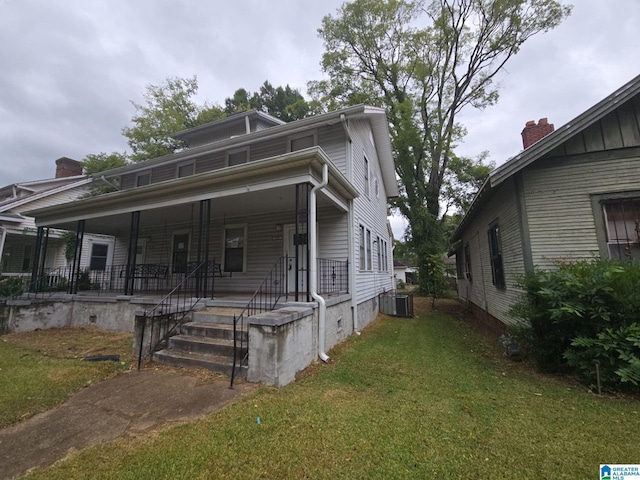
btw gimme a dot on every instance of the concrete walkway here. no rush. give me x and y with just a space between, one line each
128 404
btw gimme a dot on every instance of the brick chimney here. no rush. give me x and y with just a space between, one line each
532 132
67 167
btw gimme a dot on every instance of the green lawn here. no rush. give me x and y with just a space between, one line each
420 398
43 368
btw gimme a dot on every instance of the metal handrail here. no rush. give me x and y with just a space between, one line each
265 298
169 307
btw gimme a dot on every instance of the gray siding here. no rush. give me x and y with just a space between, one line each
558 202
480 290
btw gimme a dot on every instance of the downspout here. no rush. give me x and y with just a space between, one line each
351 229
3 237
313 264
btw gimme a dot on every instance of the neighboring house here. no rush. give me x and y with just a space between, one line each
572 195
248 193
18 239
403 272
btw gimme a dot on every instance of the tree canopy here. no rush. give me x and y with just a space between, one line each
425 61
284 103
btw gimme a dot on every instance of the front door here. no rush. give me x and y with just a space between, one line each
296 244
180 255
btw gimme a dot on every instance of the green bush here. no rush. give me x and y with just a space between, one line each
11 286
580 302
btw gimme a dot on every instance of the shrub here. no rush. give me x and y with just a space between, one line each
582 300
11 286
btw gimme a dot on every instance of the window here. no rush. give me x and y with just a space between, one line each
368 247
382 255
143 179
363 258
237 157
99 253
495 256
379 242
622 225
301 142
467 262
186 169
235 239
26 257
366 176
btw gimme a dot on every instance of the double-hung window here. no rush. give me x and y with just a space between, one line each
99 254
495 255
365 249
622 226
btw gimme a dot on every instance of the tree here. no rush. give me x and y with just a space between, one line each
169 109
96 163
286 103
425 61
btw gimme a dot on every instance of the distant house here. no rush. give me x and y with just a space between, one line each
572 194
404 273
252 204
18 239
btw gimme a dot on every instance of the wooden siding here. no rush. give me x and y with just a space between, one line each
480 290
333 142
558 203
618 129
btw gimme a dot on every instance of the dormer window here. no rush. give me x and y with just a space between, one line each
237 157
143 179
186 169
301 142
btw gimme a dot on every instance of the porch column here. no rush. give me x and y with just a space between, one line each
204 235
301 241
37 267
77 255
130 269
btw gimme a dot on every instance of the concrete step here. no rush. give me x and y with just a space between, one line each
212 346
215 315
212 330
215 363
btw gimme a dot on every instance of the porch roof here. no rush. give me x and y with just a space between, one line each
257 185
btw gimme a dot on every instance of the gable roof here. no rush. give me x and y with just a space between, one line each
546 145
71 182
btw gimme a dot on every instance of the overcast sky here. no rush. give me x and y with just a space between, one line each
70 68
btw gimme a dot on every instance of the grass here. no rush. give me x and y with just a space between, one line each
410 398
43 368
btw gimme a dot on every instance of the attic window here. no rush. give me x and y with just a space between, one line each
186 169
143 179
302 142
237 157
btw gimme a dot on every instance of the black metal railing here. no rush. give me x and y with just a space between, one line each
170 312
333 276
265 299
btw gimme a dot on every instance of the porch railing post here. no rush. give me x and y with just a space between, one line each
134 227
37 268
77 255
203 249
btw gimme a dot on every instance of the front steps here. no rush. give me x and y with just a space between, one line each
207 342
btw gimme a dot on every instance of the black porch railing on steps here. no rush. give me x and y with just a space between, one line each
266 297
170 312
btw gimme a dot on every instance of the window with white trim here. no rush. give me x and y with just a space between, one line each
237 157
235 252
303 141
99 255
622 226
366 176
383 265
365 249
368 247
186 169
143 179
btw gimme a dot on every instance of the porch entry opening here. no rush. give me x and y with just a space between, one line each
297 260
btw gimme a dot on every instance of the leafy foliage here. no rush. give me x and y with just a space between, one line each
11 287
285 103
582 313
425 62
100 162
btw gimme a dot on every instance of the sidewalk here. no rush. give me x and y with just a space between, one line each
128 404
